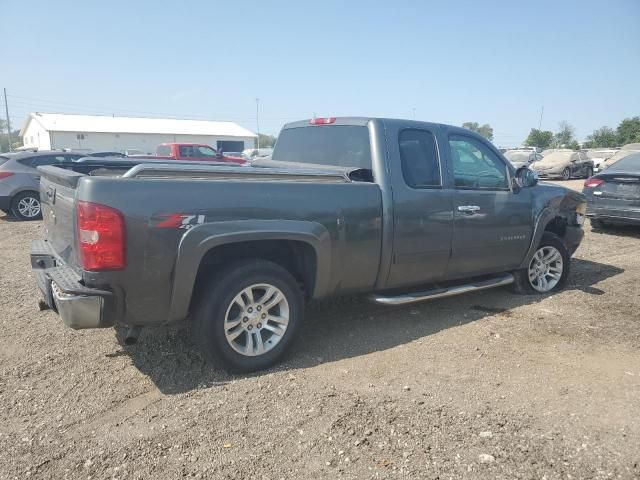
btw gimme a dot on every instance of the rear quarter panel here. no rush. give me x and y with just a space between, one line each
350 213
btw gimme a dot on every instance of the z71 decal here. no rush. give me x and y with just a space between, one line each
180 220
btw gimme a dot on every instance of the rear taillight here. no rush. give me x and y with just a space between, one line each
5 175
101 237
322 121
593 182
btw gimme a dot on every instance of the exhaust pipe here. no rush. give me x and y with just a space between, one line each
131 338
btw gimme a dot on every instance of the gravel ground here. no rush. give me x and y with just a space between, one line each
487 385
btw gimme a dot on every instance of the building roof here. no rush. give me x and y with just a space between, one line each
60 122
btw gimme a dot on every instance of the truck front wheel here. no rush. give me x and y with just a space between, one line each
248 314
548 268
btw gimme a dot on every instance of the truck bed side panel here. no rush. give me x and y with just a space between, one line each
350 212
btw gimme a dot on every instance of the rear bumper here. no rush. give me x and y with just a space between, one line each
61 288
630 216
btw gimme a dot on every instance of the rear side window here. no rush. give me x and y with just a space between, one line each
47 160
419 158
186 151
336 145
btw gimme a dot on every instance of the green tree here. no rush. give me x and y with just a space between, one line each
629 131
539 138
602 137
485 130
267 141
565 135
4 139
573 145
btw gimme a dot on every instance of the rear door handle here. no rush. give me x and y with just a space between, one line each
469 209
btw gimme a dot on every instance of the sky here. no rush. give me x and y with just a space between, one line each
492 61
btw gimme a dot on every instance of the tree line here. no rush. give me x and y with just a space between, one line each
16 141
628 131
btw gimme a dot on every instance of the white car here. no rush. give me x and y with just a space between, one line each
600 156
521 157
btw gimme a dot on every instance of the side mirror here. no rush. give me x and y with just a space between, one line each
526 177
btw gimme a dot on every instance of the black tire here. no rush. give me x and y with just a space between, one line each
589 172
217 296
566 174
523 286
597 224
17 210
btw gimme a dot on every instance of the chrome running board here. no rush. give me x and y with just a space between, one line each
405 298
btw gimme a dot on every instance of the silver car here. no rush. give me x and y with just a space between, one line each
20 181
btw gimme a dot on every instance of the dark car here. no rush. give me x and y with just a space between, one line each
20 181
613 196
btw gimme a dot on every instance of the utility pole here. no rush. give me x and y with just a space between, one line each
540 123
6 111
258 119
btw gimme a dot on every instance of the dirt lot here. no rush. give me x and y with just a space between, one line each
488 385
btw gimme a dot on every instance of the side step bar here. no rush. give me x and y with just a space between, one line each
405 298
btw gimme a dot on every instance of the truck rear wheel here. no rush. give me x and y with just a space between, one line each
248 315
548 268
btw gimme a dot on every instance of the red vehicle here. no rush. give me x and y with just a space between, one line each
194 152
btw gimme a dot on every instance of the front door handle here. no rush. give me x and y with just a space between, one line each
469 209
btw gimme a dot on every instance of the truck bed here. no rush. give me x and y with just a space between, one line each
346 213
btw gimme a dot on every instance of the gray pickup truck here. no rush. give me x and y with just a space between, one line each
402 210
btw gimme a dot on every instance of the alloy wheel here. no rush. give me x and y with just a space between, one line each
545 269
256 319
29 207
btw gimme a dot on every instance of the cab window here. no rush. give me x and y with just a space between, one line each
205 152
419 158
475 166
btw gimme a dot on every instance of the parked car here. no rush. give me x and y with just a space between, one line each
599 156
613 195
404 210
625 151
193 152
520 158
20 181
564 164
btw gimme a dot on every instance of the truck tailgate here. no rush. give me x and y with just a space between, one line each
57 197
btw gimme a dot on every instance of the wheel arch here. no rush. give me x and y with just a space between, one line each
549 220
301 247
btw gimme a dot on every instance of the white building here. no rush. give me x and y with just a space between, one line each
46 131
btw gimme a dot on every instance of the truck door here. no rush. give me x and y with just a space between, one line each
423 207
492 223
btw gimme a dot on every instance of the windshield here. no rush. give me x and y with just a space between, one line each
620 154
337 145
630 163
518 157
3 159
558 157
